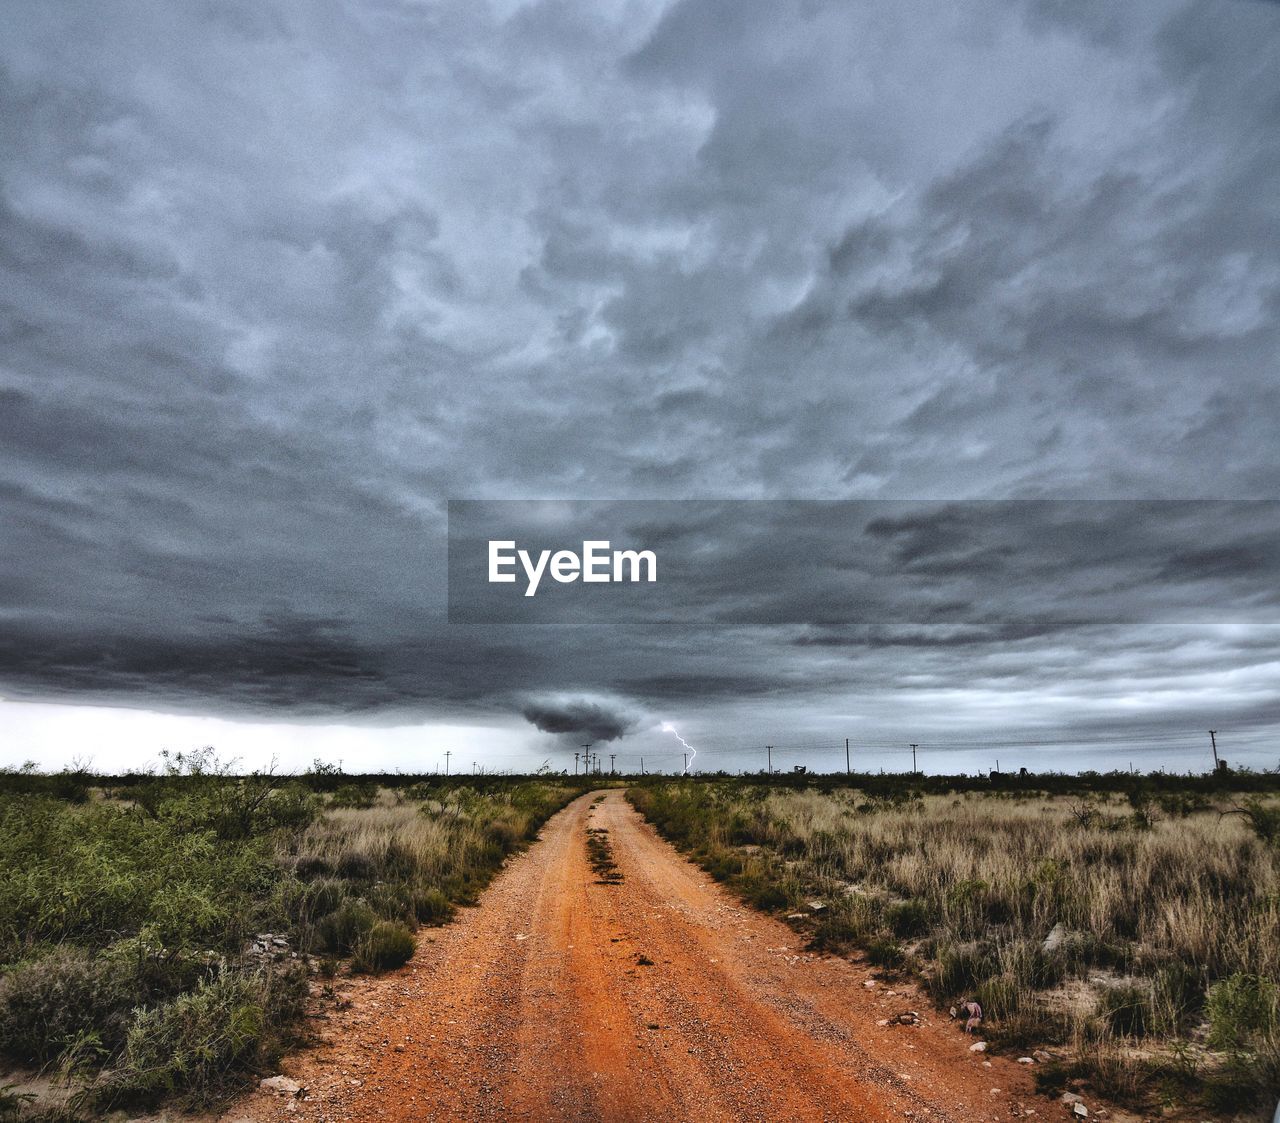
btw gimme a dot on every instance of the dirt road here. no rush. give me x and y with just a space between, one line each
659 998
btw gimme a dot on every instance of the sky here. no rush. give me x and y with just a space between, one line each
277 282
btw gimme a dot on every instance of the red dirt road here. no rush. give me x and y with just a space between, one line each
537 1006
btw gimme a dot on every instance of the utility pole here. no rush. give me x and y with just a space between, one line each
847 770
686 762
769 749
612 757
473 768
913 759
586 756
447 754
575 764
1213 740
642 766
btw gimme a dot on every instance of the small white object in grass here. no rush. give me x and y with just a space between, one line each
978 1047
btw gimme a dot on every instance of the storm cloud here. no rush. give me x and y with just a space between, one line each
592 719
278 282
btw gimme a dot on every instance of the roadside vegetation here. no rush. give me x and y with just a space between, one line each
1129 925
160 934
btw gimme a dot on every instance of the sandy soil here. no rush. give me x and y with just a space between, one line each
660 998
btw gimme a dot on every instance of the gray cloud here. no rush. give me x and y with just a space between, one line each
579 716
278 283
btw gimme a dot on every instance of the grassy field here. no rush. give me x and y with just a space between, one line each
160 934
1133 927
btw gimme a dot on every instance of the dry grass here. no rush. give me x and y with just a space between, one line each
158 945
1200 889
409 855
1102 925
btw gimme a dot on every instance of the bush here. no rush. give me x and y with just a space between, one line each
960 968
343 929
48 1003
1263 819
355 865
840 929
883 952
12 1102
909 918
196 1044
358 795
1242 1010
1007 902
766 896
431 906
1228 1093
124 920
387 945
1127 1009
1000 997
723 865
192 1043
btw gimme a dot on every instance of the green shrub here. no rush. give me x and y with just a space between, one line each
49 1002
766 896
883 952
507 833
94 873
1000 997
387 945
1263 819
1243 1009
841 928
196 1045
359 795
1226 1093
723 865
960 968
124 920
191 1044
1127 1009
317 899
343 929
431 906
357 866
909 918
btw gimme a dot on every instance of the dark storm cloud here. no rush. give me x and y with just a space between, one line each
278 282
592 719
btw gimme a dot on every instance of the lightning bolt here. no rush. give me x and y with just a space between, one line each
667 727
